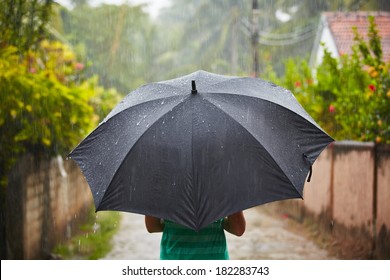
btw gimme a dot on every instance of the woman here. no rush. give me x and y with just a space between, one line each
181 243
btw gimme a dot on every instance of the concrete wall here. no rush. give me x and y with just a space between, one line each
350 187
383 202
45 199
353 185
317 193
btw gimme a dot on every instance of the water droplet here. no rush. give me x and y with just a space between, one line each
95 227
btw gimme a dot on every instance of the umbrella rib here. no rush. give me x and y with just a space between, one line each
194 179
151 100
229 116
217 83
210 87
306 118
140 104
108 119
168 85
227 78
135 143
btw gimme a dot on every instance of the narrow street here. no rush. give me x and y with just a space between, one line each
266 237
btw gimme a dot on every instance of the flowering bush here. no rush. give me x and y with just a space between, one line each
350 96
46 106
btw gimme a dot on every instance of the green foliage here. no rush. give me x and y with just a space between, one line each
46 106
204 35
93 240
127 48
22 22
116 42
216 35
351 96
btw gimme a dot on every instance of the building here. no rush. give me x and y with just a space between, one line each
335 32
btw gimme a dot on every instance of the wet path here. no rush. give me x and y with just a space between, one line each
265 238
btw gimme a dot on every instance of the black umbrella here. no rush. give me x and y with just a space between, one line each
200 147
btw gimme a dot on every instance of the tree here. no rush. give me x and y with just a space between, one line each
117 42
215 35
22 23
46 103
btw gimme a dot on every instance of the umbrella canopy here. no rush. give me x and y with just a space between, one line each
200 147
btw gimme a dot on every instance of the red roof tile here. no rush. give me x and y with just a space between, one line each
341 23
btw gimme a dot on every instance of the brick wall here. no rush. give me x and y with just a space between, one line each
45 199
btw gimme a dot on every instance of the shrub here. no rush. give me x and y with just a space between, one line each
349 97
46 107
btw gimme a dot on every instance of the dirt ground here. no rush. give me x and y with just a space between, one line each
267 237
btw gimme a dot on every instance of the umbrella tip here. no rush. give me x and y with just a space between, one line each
193 91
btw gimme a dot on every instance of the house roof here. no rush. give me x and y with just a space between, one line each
340 25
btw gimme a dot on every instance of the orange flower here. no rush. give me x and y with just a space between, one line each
374 74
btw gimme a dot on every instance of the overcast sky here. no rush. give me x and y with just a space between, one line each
153 5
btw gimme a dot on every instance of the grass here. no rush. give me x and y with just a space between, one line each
94 240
